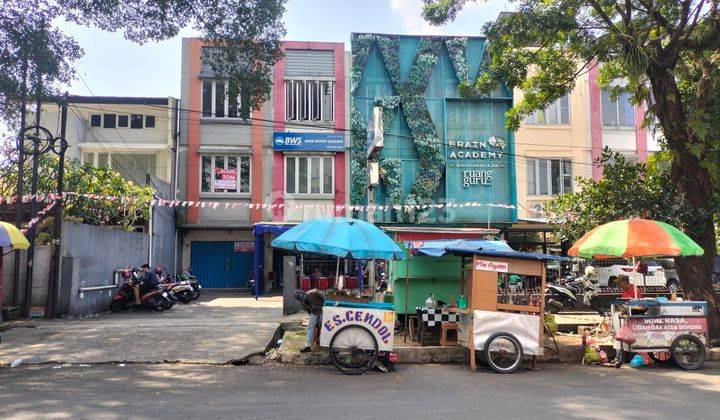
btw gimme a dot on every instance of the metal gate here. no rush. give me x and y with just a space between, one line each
223 264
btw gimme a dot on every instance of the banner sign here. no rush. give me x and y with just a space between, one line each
499 267
662 331
315 142
379 322
225 179
244 246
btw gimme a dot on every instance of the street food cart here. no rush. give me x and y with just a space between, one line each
501 323
665 330
357 333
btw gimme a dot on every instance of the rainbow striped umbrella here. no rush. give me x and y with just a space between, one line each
10 236
635 238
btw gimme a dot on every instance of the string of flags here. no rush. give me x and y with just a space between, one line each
160 202
40 216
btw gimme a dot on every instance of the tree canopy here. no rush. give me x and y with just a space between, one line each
84 179
32 43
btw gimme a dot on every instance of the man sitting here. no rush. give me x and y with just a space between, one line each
148 282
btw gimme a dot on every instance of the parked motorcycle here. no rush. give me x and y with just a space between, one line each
572 294
177 290
192 281
124 298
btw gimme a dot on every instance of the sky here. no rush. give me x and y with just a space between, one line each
114 66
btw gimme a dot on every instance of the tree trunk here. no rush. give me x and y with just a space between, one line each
695 184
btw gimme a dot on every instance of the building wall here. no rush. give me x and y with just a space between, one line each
582 140
83 139
309 60
468 167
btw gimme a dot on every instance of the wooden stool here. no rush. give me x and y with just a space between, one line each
444 328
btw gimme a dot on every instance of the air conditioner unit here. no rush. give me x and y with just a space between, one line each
536 209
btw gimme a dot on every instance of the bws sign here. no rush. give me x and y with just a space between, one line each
379 322
499 267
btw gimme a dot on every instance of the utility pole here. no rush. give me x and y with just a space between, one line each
20 181
54 285
33 202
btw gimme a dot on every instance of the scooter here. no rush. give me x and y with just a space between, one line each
571 294
192 281
124 298
177 290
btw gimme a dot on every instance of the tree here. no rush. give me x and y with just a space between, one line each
248 32
627 190
667 53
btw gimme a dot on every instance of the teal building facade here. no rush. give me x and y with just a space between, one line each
438 147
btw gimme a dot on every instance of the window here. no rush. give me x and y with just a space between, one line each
136 121
109 120
220 99
309 100
556 113
122 121
618 112
549 176
95 120
311 175
225 174
149 121
133 167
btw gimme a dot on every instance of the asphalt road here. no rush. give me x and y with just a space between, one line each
414 392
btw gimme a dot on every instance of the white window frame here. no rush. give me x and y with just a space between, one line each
535 161
617 113
532 118
294 158
213 105
212 191
304 84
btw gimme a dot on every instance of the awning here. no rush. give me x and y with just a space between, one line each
476 247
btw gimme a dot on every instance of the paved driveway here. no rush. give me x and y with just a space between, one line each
215 329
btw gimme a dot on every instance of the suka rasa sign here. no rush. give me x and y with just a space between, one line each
379 322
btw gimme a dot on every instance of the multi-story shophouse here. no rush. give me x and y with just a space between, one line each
280 164
564 141
132 135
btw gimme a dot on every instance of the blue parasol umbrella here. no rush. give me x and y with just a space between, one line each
341 237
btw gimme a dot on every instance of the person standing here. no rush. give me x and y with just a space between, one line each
312 302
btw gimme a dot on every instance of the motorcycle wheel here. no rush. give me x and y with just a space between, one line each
196 295
166 303
185 297
117 306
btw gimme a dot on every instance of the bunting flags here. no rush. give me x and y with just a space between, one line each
227 205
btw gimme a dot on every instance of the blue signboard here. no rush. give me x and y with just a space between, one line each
315 142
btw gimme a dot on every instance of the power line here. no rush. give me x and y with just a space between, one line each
439 143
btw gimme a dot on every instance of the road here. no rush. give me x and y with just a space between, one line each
414 392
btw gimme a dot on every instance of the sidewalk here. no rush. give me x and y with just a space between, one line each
217 328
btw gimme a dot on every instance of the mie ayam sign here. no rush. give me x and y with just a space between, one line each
484 265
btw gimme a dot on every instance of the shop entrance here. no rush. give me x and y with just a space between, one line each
222 264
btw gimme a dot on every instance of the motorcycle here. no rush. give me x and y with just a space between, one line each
572 294
193 282
177 290
124 298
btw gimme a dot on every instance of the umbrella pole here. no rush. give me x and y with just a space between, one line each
337 269
407 285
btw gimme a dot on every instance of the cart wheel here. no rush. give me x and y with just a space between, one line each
353 350
688 352
661 357
503 353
